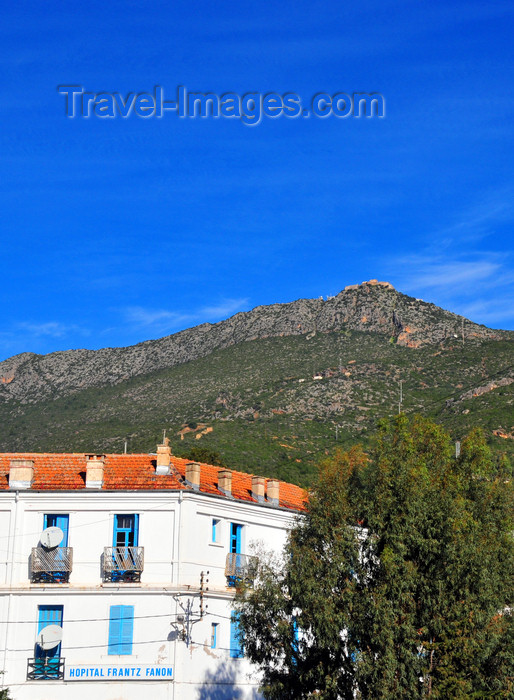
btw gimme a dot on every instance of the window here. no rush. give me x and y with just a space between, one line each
236 644
235 558
52 564
58 520
235 538
47 663
215 530
125 531
214 635
121 627
124 561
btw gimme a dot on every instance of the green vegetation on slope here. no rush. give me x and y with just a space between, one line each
268 412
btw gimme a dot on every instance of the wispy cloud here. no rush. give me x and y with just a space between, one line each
51 329
427 273
457 268
479 286
166 320
142 317
491 311
38 336
479 220
224 308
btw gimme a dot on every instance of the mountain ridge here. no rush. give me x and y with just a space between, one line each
369 307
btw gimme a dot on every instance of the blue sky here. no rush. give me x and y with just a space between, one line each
118 230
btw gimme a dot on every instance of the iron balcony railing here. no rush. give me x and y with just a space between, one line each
51 565
239 568
45 669
123 563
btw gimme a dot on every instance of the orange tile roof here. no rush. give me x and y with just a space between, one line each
136 472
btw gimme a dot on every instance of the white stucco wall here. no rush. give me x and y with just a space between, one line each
175 528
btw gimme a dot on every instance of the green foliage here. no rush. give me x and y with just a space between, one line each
205 455
260 395
411 604
4 692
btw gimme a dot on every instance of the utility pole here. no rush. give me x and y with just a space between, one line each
203 590
401 397
190 617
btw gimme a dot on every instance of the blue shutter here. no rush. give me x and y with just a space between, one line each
136 530
236 648
58 520
49 615
121 628
114 629
235 538
215 524
127 629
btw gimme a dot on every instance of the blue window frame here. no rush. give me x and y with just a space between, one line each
214 635
215 530
235 547
235 538
125 531
121 629
58 520
236 645
48 661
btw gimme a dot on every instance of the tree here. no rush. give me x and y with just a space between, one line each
396 583
204 454
4 692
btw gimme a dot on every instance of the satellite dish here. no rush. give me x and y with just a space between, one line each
51 537
49 637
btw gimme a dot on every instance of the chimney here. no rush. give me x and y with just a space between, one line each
225 482
95 471
193 475
258 483
273 492
163 457
21 473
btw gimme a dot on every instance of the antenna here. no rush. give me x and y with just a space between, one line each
51 537
401 397
164 435
49 637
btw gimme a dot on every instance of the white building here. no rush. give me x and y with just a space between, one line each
134 558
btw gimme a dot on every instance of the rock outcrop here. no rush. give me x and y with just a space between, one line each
371 307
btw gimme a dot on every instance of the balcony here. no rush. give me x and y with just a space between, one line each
240 568
45 669
123 563
51 565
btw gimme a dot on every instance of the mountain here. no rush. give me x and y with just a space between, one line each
270 389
